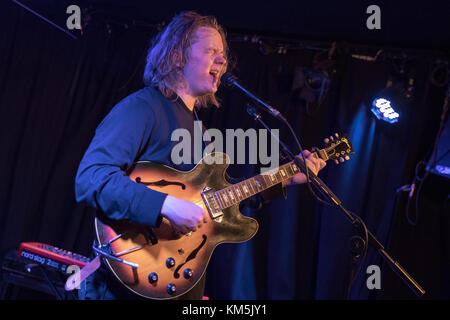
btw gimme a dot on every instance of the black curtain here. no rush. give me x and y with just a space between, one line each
55 90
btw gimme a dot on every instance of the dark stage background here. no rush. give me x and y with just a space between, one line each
55 90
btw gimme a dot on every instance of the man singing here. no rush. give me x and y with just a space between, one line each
184 65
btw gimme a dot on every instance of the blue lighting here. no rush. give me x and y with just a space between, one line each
383 110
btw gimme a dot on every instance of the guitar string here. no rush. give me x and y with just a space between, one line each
200 202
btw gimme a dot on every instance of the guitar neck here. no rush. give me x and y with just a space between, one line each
235 193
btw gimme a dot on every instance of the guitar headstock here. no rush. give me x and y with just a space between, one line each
336 148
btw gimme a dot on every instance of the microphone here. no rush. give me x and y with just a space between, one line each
232 82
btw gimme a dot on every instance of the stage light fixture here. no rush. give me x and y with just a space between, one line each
388 104
310 85
383 110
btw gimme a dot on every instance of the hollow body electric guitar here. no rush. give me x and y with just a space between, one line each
157 263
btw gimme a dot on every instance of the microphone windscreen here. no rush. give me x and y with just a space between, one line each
228 79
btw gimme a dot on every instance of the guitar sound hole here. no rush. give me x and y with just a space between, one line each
191 256
161 183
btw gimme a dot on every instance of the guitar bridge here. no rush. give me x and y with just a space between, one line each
211 203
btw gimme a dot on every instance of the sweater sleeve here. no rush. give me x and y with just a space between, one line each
101 180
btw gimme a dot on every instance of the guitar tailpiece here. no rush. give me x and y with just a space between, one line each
102 249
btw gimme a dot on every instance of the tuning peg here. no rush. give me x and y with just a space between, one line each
335 161
341 159
326 140
336 135
331 138
347 158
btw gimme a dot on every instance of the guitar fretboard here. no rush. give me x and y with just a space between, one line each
235 193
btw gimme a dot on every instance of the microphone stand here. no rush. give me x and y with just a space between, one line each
321 186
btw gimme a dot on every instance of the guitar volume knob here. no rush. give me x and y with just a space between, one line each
171 288
152 278
188 273
170 262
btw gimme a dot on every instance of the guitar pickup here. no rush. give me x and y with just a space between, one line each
211 203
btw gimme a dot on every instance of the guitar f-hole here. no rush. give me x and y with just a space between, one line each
191 256
161 183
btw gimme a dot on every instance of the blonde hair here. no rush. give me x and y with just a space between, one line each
164 67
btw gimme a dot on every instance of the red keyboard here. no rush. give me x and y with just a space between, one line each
51 256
